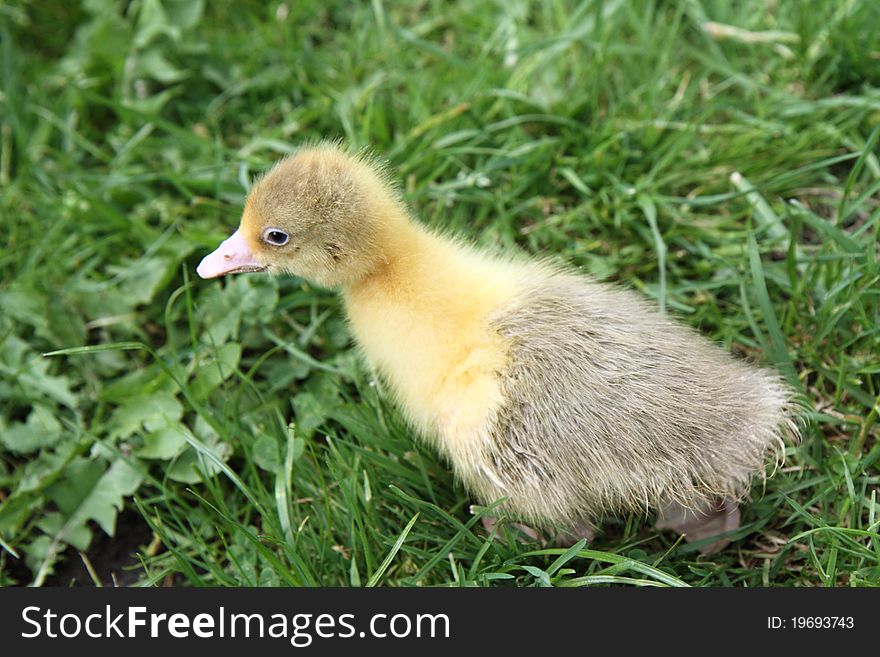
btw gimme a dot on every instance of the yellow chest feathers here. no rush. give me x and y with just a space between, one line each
424 324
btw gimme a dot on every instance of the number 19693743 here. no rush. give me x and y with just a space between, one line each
810 623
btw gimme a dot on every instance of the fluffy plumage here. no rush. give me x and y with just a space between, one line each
567 397
653 413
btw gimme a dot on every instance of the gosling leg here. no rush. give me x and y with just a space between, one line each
700 524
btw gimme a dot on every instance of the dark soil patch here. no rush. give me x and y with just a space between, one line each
114 558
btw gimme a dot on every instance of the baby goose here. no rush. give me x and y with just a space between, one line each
568 398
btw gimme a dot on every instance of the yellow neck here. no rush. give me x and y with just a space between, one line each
422 319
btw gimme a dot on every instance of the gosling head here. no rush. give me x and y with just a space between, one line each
321 214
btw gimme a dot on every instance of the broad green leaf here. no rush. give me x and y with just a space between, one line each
79 478
152 23
27 306
310 412
191 468
151 412
255 296
266 453
88 492
37 473
78 537
41 429
38 379
151 63
184 13
105 498
141 279
147 380
29 372
217 369
165 443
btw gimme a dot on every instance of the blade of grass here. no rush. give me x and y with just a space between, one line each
380 571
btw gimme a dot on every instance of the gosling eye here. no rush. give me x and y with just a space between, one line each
275 237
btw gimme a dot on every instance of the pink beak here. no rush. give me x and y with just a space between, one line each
231 257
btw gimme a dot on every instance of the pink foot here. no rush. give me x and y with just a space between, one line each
700 524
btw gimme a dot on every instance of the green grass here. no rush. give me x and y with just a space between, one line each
734 180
